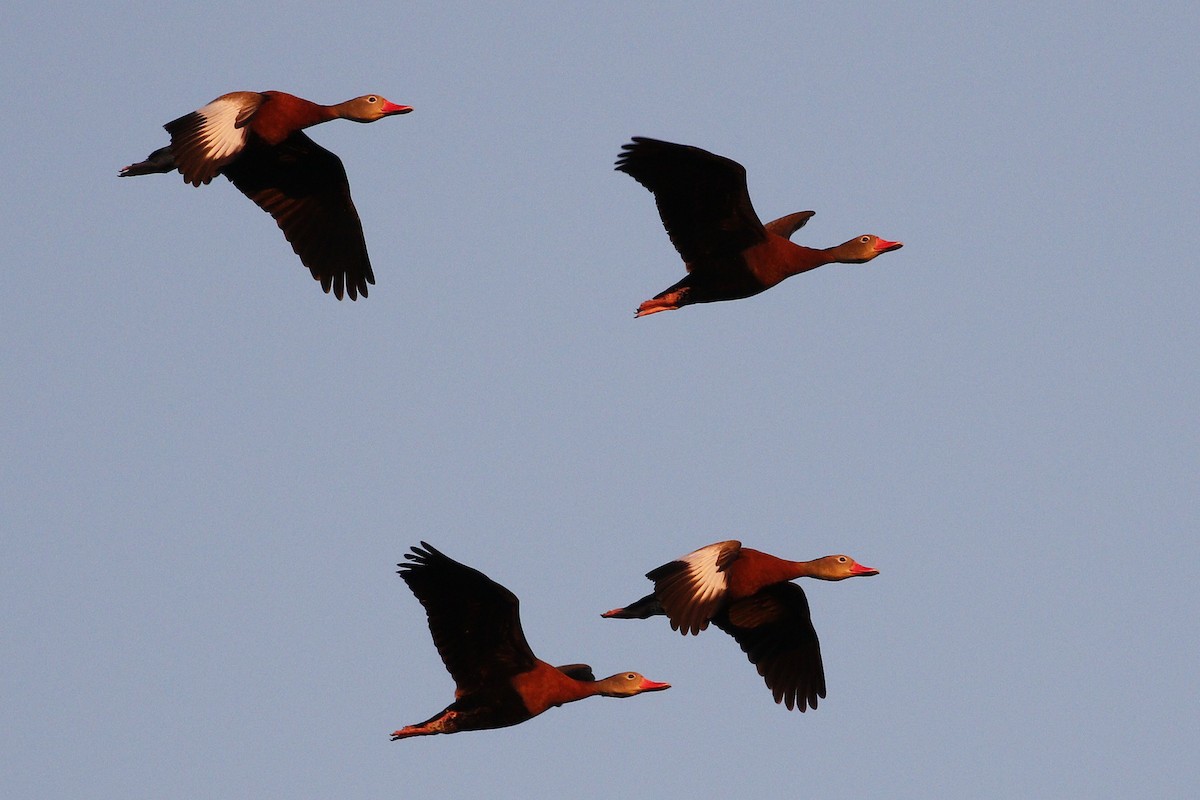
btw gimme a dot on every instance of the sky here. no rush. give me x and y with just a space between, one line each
212 468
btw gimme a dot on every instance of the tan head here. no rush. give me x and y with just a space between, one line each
627 684
839 567
863 249
369 108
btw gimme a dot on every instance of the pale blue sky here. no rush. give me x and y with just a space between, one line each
212 468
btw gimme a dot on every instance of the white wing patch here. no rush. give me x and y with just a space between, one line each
218 134
207 139
707 582
693 588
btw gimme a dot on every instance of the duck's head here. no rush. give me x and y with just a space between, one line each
369 108
863 248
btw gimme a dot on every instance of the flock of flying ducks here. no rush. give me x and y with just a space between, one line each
257 141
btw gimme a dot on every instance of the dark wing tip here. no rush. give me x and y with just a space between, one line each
419 555
670 568
341 284
632 149
622 163
580 672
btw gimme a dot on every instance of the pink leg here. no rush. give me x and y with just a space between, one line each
441 724
667 302
411 730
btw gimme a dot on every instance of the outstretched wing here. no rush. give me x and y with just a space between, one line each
775 630
304 187
786 226
701 197
693 588
475 622
580 672
208 138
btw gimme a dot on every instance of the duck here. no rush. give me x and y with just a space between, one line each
729 254
256 140
476 627
748 595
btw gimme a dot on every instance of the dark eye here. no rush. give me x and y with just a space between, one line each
631 677
865 239
842 560
372 99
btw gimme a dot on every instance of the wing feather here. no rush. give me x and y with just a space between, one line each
475 622
693 588
702 199
774 629
305 188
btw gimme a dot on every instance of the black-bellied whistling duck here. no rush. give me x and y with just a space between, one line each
255 139
705 207
476 627
746 594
